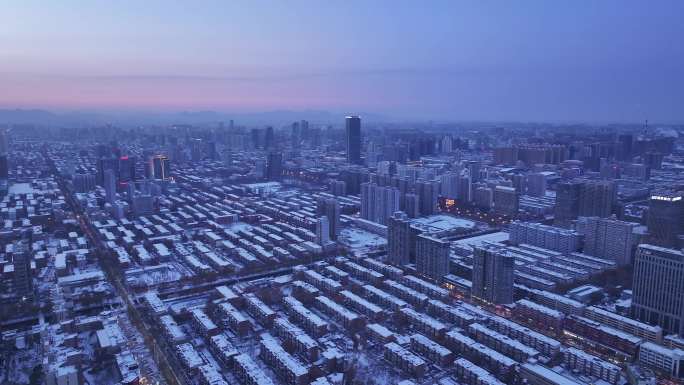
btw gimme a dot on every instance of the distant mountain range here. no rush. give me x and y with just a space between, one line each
137 118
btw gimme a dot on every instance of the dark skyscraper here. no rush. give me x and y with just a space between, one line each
597 198
274 165
161 167
399 239
567 202
493 271
269 138
353 139
665 219
658 288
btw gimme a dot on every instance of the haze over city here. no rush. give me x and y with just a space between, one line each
341 193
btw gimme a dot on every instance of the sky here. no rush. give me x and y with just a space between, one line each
580 60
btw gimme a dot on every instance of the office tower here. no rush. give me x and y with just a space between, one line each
411 205
378 203
23 279
110 185
665 219
464 189
658 287
295 135
161 167
104 164
353 139
548 237
269 138
274 165
322 231
196 148
255 138
483 197
607 238
493 272
4 142
447 144
4 167
428 193
432 256
653 160
474 169
449 185
567 202
506 200
330 208
127 172
535 184
597 198
626 142
399 239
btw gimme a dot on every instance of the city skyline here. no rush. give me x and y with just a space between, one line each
608 61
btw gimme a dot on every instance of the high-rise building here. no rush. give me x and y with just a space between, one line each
658 287
4 167
465 189
353 139
432 256
493 271
665 219
567 202
330 208
84 182
322 231
399 239
104 164
449 185
110 185
196 149
127 171
160 167
597 198
506 200
535 184
269 138
626 143
23 279
378 202
274 165
483 197
428 193
607 238
475 171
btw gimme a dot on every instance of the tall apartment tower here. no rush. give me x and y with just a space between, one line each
658 287
110 185
665 219
493 271
331 210
322 231
353 139
428 193
607 238
567 203
535 184
399 239
378 203
432 256
506 200
597 198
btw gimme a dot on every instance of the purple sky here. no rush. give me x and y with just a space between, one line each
488 60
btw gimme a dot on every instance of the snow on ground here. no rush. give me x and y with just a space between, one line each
443 222
357 239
